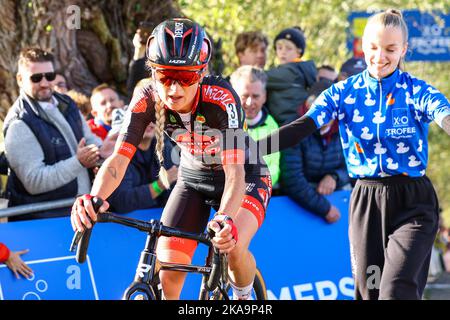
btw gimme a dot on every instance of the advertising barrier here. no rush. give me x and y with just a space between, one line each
300 256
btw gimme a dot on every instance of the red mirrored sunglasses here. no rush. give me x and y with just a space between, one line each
184 78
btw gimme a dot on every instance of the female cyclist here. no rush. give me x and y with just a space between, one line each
202 114
383 115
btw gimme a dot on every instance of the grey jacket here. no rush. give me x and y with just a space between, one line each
26 157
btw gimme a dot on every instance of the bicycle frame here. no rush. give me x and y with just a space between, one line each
149 265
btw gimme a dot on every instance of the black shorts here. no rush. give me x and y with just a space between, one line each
188 210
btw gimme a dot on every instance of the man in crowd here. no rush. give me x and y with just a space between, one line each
250 84
49 146
251 48
104 100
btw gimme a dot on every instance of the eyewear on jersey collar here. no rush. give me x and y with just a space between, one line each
184 78
37 77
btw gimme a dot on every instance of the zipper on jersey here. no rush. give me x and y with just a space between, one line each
378 124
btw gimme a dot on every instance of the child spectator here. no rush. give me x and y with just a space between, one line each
288 83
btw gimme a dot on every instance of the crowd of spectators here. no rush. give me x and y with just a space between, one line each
56 137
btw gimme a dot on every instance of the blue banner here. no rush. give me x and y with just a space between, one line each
429 34
299 255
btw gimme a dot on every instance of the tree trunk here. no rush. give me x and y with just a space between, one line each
95 50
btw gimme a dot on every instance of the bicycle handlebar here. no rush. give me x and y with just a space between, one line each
81 239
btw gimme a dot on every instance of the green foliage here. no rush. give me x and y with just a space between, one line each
325 24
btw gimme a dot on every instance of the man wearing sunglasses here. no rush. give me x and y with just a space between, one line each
48 144
203 115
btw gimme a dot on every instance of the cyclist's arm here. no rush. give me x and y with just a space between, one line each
139 114
110 175
234 189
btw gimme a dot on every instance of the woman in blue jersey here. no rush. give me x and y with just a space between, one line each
383 114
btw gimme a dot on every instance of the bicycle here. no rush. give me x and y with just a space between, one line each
146 286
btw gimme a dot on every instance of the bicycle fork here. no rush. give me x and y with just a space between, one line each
141 288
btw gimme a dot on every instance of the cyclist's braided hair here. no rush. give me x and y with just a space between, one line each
159 133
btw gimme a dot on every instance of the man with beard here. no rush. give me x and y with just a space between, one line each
49 146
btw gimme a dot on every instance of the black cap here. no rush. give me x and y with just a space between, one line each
294 34
353 66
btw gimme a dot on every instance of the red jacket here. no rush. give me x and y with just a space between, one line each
98 129
4 253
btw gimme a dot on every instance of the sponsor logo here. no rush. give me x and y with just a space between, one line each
407 132
172 119
177 61
218 95
193 48
142 269
250 187
178 29
200 118
400 117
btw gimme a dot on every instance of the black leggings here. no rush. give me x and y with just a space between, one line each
393 225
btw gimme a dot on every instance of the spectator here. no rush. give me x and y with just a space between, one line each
288 83
137 69
48 145
250 84
351 67
327 73
316 166
251 48
104 100
14 262
83 103
141 188
60 84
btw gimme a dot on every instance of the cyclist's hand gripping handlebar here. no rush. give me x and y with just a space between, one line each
80 241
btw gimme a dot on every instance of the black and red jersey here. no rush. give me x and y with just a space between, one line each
216 133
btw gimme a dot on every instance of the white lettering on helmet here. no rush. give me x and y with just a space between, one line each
177 61
178 29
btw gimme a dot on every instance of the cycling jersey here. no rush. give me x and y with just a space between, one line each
217 114
383 124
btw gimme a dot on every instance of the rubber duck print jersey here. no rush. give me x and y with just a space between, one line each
383 124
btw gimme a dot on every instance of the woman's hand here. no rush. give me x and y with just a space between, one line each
83 214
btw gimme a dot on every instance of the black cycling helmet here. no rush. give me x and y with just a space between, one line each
178 44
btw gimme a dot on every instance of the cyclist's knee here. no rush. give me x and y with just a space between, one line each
239 255
172 284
